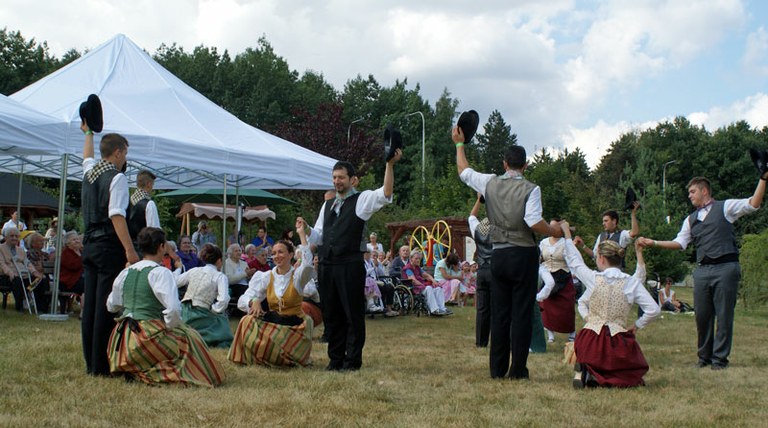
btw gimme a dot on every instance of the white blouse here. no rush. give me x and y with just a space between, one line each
163 285
257 287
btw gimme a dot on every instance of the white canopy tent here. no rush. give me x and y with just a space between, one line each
25 131
186 139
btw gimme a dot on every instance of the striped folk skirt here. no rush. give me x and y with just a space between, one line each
270 344
154 355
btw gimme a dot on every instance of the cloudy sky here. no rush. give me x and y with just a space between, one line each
562 73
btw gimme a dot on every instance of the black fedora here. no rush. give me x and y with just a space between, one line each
393 140
760 160
468 122
92 114
630 200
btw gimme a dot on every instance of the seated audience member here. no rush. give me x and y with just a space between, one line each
396 266
188 254
171 259
34 247
281 336
606 350
448 277
71 274
262 239
205 302
150 342
386 287
17 269
384 260
237 271
422 283
469 278
372 292
258 260
668 301
51 239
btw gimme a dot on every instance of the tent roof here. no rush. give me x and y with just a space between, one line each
186 139
25 131
250 197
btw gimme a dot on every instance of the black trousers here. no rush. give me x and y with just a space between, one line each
387 293
513 292
342 293
102 262
483 298
17 289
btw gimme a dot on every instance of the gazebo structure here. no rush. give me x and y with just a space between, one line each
458 225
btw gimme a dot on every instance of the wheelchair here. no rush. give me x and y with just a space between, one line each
405 301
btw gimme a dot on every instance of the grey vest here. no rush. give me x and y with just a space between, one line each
714 237
505 201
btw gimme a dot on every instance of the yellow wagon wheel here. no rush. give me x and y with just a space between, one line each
441 233
420 239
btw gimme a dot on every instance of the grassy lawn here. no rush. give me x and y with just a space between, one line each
416 372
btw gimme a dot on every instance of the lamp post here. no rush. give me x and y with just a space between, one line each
349 128
423 145
664 186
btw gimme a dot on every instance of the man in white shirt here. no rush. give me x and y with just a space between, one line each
14 222
716 279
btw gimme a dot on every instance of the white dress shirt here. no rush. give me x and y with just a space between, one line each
368 203
150 214
733 209
479 181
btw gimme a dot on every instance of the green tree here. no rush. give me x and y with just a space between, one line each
23 62
493 141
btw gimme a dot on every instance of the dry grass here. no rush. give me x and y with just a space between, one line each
417 372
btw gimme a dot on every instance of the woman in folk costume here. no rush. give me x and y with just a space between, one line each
557 299
150 342
606 350
206 299
281 336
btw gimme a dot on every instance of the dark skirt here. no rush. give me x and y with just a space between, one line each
611 360
558 311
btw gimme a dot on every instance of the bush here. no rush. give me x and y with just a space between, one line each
754 265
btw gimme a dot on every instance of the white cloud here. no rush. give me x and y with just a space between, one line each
595 141
755 57
753 110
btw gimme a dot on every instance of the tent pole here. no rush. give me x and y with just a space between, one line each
224 221
19 217
53 316
238 211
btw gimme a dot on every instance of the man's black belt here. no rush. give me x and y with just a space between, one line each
728 258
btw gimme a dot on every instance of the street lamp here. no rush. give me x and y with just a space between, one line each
423 139
349 128
664 186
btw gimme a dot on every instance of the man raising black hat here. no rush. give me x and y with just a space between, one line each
513 205
340 234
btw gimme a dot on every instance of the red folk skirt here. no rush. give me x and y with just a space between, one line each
612 360
558 311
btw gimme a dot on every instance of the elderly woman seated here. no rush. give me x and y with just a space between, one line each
256 258
188 254
20 272
423 283
281 336
237 271
71 275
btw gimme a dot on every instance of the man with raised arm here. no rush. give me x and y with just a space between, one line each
513 205
716 278
340 235
107 243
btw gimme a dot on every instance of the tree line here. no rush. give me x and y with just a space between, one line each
259 87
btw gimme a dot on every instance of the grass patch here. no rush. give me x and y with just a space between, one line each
416 372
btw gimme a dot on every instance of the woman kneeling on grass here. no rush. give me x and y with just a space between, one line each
607 353
150 342
206 299
281 336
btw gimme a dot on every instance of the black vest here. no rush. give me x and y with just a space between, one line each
714 237
342 234
95 206
483 248
137 218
